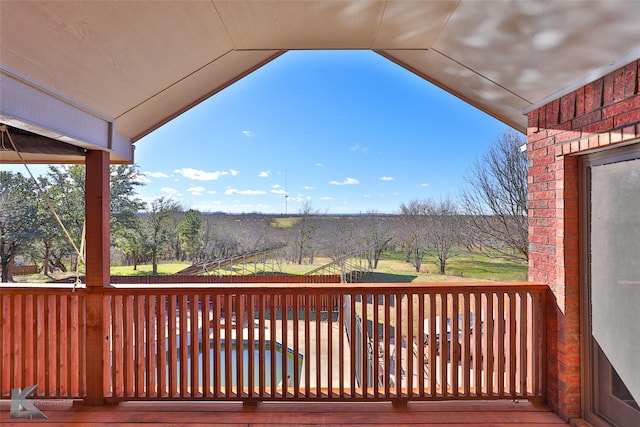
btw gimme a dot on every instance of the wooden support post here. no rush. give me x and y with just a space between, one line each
97 264
97 212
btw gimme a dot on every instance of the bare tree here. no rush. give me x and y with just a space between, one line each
495 198
376 231
304 232
413 231
445 231
339 236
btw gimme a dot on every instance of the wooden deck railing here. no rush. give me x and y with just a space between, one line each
43 341
284 342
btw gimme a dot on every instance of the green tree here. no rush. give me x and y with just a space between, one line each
158 224
133 242
19 220
191 233
125 205
65 188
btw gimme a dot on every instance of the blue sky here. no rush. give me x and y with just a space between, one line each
348 131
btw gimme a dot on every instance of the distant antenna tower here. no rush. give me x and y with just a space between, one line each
286 194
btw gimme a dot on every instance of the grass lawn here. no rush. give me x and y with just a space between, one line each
468 265
146 269
391 269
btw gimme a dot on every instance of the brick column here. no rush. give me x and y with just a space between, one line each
599 115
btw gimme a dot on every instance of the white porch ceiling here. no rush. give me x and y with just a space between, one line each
130 66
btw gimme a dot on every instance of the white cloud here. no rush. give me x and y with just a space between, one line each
196 190
170 191
366 196
232 191
308 187
279 191
248 133
424 184
320 165
358 148
142 179
276 186
326 198
157 174
211 192
264 174
387 178
200 175
233 172
347 181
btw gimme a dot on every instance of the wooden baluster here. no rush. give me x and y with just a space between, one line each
251 343
228 345
512 343
194 339
140 365
501 356
151 385
352 345
332 302
307 345
454 352
262 346
163 380
284 310
433 358
173 344
478 333
420 345
272 345
296 346
466 344
319 370
217 344
375 344
364 343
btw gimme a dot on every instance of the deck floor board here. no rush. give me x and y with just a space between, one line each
451 414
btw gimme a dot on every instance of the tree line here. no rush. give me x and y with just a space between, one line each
490 215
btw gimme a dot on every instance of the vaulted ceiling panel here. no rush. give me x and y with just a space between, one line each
534 49
463 83
184 94
412 24
301 24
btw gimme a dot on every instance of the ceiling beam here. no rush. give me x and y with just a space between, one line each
58 117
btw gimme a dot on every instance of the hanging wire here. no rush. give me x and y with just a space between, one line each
5 130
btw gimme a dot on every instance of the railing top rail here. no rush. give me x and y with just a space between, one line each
39 288
292 288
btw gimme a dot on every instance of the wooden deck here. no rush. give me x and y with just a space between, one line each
451 414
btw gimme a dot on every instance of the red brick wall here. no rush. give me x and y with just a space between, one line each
603 113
